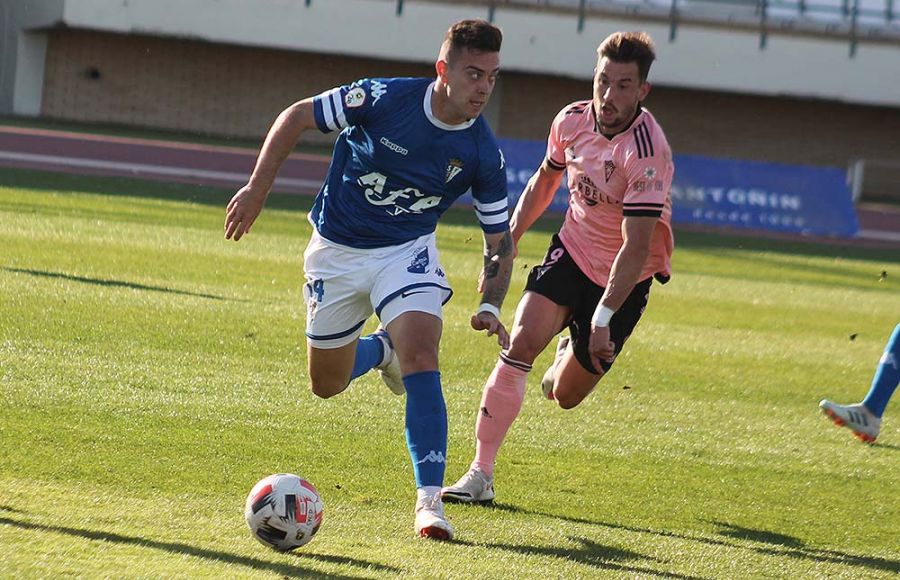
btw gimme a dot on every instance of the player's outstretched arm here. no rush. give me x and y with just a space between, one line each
534 200
637 233
498 263
247 203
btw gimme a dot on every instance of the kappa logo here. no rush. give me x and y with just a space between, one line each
378 91
454 167
432 457
393 146
609 167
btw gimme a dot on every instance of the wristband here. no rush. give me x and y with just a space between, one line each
485 307
602 315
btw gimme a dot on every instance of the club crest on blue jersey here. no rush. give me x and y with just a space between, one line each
419 263
454 166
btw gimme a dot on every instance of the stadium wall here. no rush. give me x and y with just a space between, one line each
721 58
234 91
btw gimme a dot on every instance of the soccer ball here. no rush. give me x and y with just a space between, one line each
284 511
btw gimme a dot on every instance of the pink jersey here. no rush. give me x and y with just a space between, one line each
609 179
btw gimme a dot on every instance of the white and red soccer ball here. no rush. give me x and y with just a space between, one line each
284 511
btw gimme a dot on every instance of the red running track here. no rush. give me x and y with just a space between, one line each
151 159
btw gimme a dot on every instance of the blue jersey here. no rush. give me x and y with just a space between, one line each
396 167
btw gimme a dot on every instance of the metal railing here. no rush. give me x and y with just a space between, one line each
876 21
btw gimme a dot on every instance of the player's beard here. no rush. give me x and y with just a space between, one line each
618 120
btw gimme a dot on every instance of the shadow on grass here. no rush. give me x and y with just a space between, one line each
214 555
776 544
763 536
112 283
591 554
887 446
796 548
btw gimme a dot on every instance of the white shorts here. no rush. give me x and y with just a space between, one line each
344 286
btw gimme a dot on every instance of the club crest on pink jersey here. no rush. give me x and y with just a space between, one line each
609 167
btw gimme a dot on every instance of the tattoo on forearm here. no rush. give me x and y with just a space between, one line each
497 270
506 245
491 269
491 257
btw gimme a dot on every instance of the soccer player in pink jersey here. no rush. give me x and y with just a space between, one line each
596 276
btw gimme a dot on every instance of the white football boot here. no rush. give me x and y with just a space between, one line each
430 520
473 487
390 369
864 424
547 381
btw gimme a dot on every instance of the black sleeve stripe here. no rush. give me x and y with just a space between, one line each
576 108
641 150
642 140
641 213
555 165
646 132
634 204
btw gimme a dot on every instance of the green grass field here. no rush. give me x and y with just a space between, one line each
152 372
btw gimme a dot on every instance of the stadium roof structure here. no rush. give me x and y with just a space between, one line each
854 20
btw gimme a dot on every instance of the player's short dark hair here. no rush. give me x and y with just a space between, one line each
634 47
479 35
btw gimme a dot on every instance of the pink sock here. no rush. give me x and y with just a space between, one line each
500 405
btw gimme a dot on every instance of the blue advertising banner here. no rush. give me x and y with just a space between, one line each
770 196
720 192
523 157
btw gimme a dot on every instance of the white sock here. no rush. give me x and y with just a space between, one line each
427 491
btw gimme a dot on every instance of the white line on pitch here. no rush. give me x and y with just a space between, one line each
142 168
879 235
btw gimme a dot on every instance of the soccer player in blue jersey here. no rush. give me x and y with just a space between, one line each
864 419
407 149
